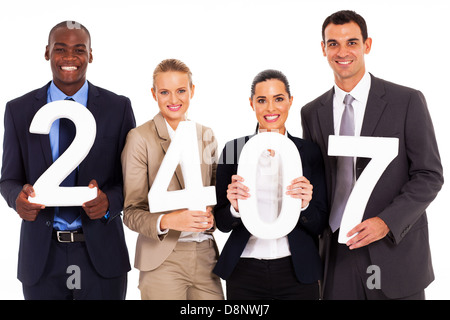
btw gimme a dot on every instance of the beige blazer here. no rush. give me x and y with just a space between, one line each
142 155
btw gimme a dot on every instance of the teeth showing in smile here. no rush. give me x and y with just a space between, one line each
271 117
69 68
344 62
174 107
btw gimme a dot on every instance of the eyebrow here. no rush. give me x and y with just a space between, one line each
347 40
275 96
65 45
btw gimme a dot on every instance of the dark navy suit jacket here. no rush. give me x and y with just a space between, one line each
303 239
26 156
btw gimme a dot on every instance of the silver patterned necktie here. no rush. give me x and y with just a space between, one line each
345 168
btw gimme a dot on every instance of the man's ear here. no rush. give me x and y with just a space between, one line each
47 53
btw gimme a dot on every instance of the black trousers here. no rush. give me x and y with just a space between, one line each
70 275
254 279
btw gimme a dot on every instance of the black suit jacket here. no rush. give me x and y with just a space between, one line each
405 189
303 239
26 156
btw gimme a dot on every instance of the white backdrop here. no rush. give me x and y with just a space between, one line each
226 43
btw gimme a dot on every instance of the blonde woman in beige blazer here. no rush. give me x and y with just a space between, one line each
175 251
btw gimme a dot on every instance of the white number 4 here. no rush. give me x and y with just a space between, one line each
183 150
382 151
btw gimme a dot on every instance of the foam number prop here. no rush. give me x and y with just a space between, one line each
183 150
292 168
47 189
382 151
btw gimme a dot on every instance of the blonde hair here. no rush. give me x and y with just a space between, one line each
172 65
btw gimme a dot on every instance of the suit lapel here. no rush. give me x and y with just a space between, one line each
92 103
375 107
41 100
326 123
325 116
95 108
163 134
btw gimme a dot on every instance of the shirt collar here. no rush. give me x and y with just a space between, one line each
360 92
55 94
285 132
169 129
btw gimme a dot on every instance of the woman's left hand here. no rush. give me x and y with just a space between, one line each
301 188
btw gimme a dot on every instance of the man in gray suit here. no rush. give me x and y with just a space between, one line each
391 242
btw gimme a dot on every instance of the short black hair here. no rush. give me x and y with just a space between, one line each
69 25
343 17
270 74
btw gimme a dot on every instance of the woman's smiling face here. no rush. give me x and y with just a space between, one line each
271 104
173 92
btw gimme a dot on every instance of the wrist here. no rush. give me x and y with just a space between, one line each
164 223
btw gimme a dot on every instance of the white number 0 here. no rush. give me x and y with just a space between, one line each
47 189
292 168
382 151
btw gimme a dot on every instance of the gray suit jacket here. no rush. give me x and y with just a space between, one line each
406 188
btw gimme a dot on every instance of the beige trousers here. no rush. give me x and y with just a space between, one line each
185 275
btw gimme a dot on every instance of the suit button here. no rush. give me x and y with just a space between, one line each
48 223
405 231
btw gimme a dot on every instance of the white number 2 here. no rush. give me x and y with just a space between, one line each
47 189
382 151
183 150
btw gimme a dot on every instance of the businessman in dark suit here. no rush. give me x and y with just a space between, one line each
91 241
393 234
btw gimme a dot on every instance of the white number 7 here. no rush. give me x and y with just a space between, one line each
382 151
47 189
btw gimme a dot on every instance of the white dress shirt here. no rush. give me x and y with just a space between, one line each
361 94
184 236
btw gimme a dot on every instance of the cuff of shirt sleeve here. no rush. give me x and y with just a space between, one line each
234 213
158 224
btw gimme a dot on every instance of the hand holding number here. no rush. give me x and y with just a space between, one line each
301 188
237 190
27 211
188 220
96 208
368 231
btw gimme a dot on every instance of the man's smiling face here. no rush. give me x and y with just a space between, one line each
69 53
344 48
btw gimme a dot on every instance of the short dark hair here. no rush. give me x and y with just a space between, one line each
69 25
270 74
343 17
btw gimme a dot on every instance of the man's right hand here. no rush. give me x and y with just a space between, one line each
27 211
